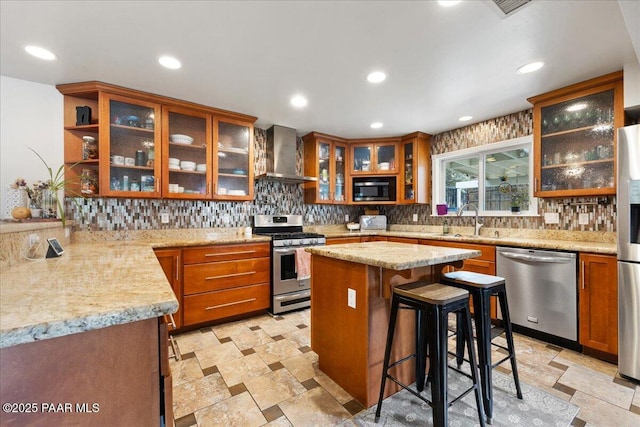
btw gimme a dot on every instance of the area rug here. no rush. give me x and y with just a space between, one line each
537 408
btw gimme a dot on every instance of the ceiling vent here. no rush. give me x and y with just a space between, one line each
510 6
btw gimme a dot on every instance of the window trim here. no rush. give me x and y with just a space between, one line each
438 161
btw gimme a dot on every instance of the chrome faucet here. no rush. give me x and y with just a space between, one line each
478 223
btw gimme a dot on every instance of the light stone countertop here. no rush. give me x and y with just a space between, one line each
392 255
90 286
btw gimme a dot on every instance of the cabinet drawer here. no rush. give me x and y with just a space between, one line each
488 251
220 304
224 252
340 240
402 240
215 276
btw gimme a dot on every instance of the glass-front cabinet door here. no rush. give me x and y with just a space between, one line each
409 179
132 142
187 139
331 173
576 144
374 158
361 158
234 160
339 156
325 176
386 155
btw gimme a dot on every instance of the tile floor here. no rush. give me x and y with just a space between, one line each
261 371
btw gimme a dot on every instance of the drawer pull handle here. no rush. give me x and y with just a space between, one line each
231 253
246 273
231 303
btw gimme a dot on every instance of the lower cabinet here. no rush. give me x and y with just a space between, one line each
485 263
171 262
222 281
598 296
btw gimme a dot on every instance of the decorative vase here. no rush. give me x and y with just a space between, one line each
49 204
15 198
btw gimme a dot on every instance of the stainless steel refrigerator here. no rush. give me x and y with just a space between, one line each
628 198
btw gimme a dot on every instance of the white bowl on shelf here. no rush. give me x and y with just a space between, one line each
352 226
174 161
180 139
188 166
237 193
202 167
384 166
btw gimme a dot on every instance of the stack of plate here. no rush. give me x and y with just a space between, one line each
237 193
188 166
180 139
174 164
202 167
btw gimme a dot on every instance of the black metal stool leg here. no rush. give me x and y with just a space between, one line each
421 349
438 359
468 335
481 314
504 308
387 352
459 340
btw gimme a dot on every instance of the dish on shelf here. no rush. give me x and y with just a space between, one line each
180 139
222 155
174 168
384 166
235 150
237 193
201 167
238 171
173 161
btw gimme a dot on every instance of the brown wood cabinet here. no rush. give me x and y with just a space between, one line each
171 262
374 156
339 240
414 184
575 138
598 296
402 240
225 280
326 157
138 127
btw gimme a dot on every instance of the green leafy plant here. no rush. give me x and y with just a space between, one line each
57 182
518 197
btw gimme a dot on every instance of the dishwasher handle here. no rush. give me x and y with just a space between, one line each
547 259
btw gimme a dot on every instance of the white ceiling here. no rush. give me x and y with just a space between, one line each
251 57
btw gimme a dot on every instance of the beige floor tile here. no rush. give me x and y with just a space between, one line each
572 358
239 370
279 422
636 397
195 340
238 410
334 389
598 413
278 327
251 339
303 366
185 370
214 355
227 329
597 384
197 394
314 408
277 351
271 389
299 337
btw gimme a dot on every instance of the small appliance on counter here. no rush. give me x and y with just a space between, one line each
373 222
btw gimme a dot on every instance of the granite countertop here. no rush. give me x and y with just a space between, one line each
599 247
392 255
90 286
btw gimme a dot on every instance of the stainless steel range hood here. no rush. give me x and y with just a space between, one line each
281 156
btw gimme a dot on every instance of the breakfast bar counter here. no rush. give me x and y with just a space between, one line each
351 285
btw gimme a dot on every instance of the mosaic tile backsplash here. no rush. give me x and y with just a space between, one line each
272 197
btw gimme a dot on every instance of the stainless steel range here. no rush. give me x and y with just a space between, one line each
289 289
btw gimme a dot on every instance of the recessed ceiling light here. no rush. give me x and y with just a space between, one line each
376 77
40 52
465 118
376 125
530 68
448 3
299 101
169 62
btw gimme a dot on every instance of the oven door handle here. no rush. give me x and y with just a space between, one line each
284 251
290 297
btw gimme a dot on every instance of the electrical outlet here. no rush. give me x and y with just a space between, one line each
67 232
351 298
551 218
583 219
311 218
164 218
226 219
415 217
346 218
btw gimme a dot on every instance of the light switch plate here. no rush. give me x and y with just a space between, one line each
164 218
583 219
552 218
351 298
310 218
415 217
346 218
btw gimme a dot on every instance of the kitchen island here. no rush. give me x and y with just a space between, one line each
351 286
82 341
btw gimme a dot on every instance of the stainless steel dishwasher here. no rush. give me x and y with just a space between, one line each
542 291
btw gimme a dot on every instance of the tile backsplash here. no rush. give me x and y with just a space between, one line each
272 197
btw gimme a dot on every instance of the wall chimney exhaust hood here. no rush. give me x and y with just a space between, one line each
281 156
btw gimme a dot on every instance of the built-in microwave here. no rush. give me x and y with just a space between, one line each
374 189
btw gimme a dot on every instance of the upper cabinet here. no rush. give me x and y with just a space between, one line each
234 159
325 157
575 138
379 156
415 176
120 142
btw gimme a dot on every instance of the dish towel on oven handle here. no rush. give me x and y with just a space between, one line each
303 263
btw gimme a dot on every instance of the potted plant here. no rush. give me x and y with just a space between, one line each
518 198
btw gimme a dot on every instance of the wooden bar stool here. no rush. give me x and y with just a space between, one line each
432 303
482 287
